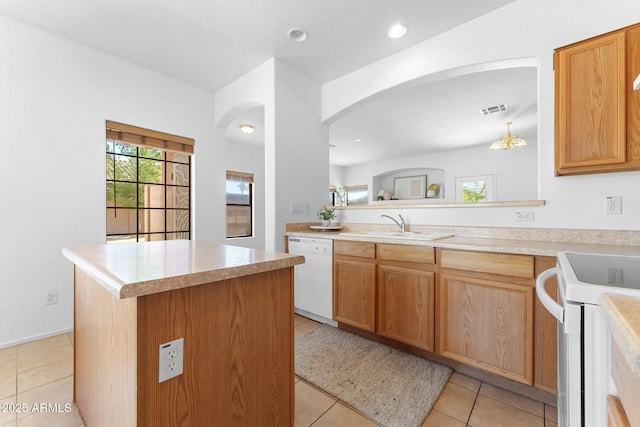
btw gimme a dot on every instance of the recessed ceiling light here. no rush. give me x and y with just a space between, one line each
397 31
297 35
245 128
358 139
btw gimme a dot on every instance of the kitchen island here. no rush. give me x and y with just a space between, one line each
233 308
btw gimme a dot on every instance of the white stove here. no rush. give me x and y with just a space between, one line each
584 374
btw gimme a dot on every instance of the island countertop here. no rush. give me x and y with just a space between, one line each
623 316
137 269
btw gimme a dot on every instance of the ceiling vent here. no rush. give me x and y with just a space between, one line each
493 109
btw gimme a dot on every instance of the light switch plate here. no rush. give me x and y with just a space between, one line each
171 360
299 207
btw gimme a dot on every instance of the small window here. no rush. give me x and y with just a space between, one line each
349 195
475 189
148 185
239 204
357 194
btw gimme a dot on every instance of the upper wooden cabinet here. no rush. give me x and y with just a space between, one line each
597 122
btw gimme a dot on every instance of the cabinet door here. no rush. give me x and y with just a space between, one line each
546 335
616 416
633 96
591 104
354 293
488 324
406 305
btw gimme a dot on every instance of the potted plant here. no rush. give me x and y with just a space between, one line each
326 214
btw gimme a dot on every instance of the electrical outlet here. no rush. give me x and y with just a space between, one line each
614 276
614 205
51 298
171 360
525 216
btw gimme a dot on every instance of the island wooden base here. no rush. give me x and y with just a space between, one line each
238 354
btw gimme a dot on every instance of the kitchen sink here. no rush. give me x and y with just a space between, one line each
399 235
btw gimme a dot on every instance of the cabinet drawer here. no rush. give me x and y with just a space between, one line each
358 249
423 254
504 264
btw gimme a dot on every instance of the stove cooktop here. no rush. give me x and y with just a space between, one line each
583 277
606 270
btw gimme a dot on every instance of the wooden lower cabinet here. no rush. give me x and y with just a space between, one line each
486 320
476 308
545 364
354 293
406 305
616 415
238 354
627 384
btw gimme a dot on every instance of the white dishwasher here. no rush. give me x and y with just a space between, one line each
313 280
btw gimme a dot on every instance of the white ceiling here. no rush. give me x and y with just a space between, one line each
210 43
436 117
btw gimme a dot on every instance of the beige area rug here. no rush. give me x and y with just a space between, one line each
389 386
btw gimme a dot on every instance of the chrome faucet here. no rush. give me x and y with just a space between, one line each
400 224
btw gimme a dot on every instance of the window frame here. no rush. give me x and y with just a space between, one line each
234 176
169 183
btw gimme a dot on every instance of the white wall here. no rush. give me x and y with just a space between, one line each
515 170
301 155
523 29
296 142
55 98
336 176
249 158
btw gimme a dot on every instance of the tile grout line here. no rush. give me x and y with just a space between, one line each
514 406
15 419
474 405
323 414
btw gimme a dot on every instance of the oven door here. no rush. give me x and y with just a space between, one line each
597 382
584 378
570 361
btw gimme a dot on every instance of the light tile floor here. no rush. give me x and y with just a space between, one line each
41 372
36 384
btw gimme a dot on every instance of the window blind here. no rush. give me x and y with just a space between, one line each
149 138
239 176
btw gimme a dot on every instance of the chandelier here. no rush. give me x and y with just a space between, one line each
508 141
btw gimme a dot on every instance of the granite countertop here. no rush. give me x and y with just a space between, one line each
137 269
486 243
623 316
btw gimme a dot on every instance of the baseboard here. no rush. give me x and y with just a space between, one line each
316 317
35 337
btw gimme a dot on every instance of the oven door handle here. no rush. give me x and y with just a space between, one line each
549 303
